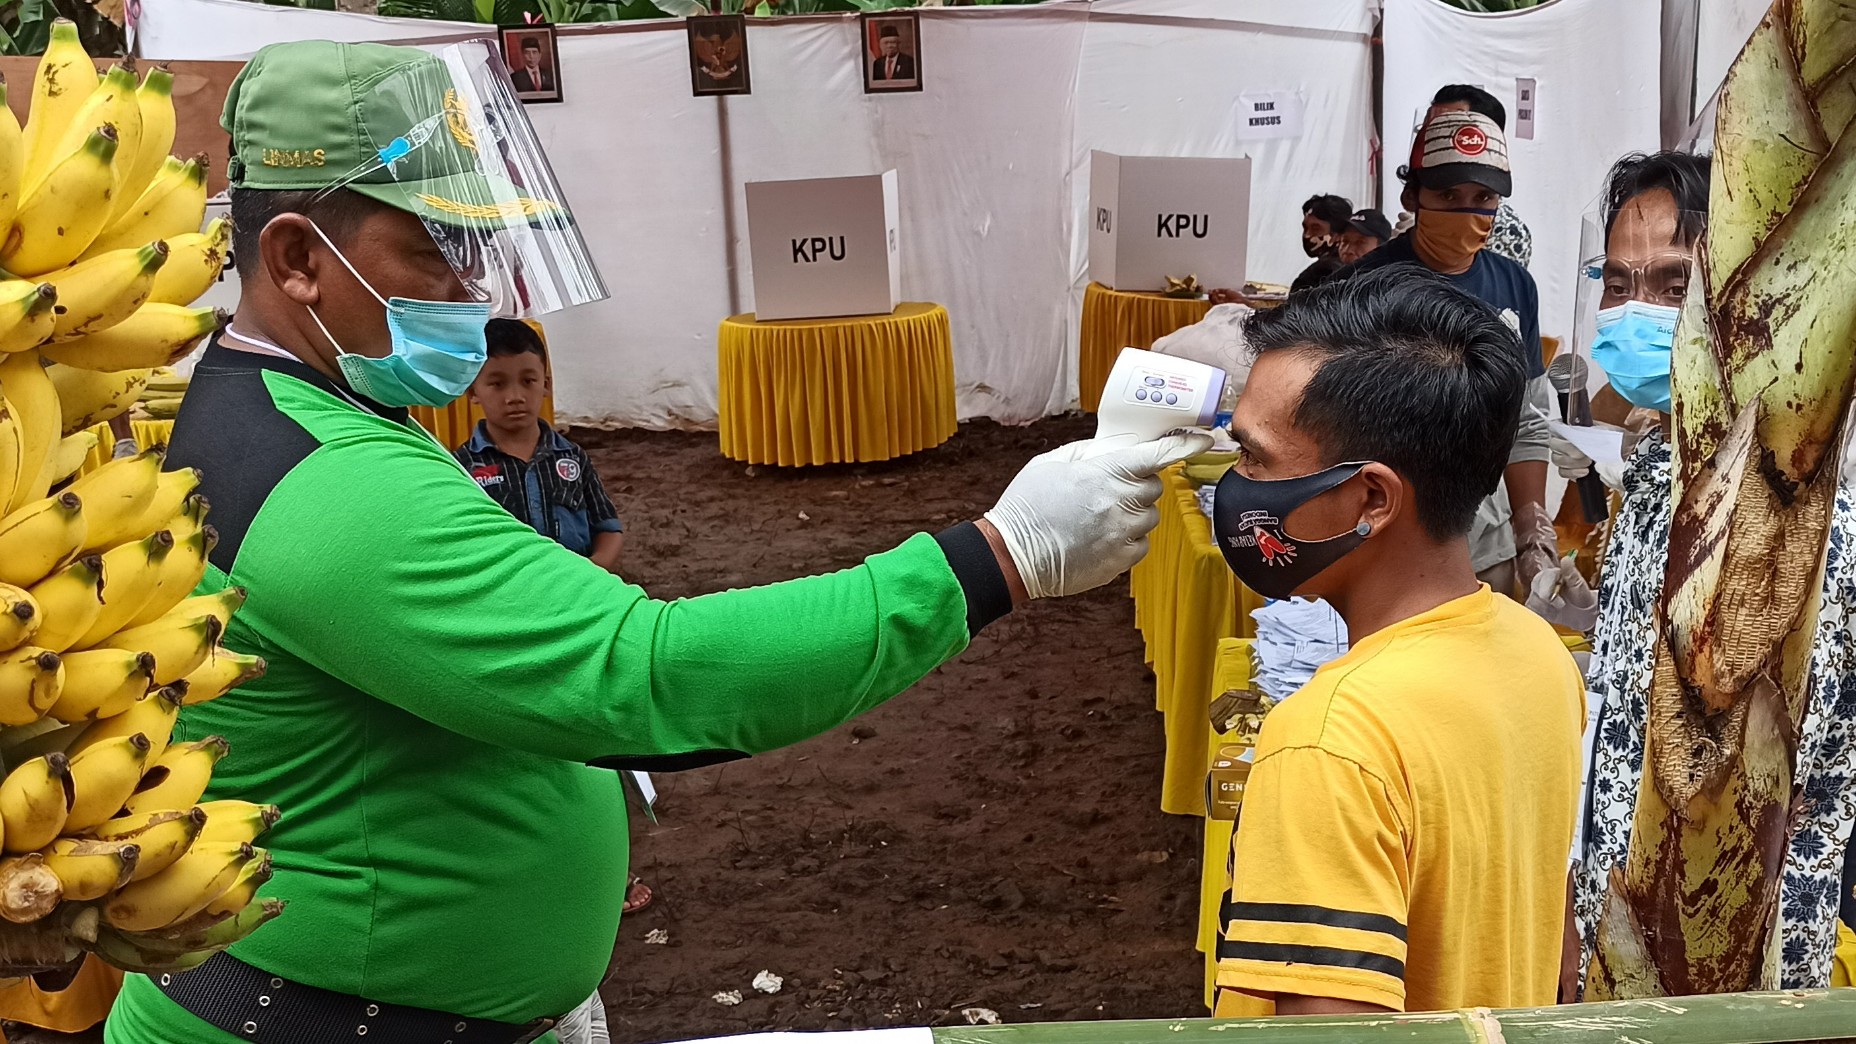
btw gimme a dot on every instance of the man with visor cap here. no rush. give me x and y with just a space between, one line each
448 689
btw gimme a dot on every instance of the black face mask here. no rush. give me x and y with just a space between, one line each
1317 247
1247 520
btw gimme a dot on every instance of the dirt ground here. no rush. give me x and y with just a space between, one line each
991 839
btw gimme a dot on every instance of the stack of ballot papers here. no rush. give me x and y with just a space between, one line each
1294 638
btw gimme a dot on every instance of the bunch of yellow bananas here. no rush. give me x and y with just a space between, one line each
104 846
104 642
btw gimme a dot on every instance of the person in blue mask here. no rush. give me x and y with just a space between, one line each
1654 211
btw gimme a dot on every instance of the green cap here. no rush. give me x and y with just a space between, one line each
317 114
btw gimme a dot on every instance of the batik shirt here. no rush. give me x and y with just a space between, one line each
1623 659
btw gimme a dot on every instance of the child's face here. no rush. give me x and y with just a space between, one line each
510 390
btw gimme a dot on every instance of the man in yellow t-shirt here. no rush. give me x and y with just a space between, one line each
1404 834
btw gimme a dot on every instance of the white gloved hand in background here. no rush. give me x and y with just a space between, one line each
1573 464
1536 544
1561 596
1077 517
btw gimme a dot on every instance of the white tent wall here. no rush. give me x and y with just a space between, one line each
992 162
1599 97
1152 87
1722 30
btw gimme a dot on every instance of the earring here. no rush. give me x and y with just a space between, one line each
1364 529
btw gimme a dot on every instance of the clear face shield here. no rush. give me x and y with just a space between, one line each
1641 266
453 145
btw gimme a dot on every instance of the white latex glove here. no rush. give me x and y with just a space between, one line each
1536 545
1573 464
1562 597
1077 517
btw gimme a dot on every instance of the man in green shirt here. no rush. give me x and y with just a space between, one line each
441 676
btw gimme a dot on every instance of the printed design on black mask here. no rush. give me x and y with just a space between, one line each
1266 535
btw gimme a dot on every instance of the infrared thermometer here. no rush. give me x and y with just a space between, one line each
1149 394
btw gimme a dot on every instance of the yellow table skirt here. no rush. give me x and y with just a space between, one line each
1231 672
834 391
1117 319
1185 601
74 1009
147 433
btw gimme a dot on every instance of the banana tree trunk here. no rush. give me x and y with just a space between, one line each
1762 382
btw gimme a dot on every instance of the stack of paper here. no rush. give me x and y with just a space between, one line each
1294 638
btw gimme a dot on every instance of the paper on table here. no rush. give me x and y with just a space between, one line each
1601 442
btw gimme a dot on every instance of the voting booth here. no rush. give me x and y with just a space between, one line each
1151 217
824 247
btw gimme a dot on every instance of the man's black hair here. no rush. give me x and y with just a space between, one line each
1333 211
506 337
531 42
1682 174
1476 98
1413 373
336 214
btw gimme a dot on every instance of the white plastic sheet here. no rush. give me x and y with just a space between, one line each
1597 63
991 158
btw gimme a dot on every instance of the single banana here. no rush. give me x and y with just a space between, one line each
155 335
133 571
119 951
88 397
70 600
223 671
127 824
33 397
171 492
112 104
19 616
180 643
12 161
234 901
31 678
61 216
116 496
69 455
102 683
102 778
152 717
65 80
155 98
179 778
180 572
220 605
102 291
180 891
164 839
233 820
11 446
38 538
162 408
174 204
28 889
225 921
28 312
90 869
35 798
194 262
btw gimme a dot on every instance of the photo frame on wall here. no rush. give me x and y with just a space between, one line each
892 52
719 55
534 61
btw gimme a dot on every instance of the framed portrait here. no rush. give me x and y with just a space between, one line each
719 55
534 61
892 58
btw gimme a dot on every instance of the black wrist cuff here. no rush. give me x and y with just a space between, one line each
977 569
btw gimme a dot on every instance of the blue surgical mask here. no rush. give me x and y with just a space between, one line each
438 349
1633 346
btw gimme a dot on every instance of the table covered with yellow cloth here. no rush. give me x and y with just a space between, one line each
834 391
74 1009
147 432
1117 319
1185 600
1231 670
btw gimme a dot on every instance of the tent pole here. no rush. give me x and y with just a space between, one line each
728 204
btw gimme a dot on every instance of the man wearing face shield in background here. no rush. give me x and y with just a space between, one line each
1459 177
441 674
1653 212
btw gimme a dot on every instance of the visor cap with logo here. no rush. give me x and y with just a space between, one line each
1460 147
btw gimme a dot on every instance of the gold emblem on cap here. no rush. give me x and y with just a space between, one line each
510 208
457 120
292 157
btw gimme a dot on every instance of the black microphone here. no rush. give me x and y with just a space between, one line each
1568 375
